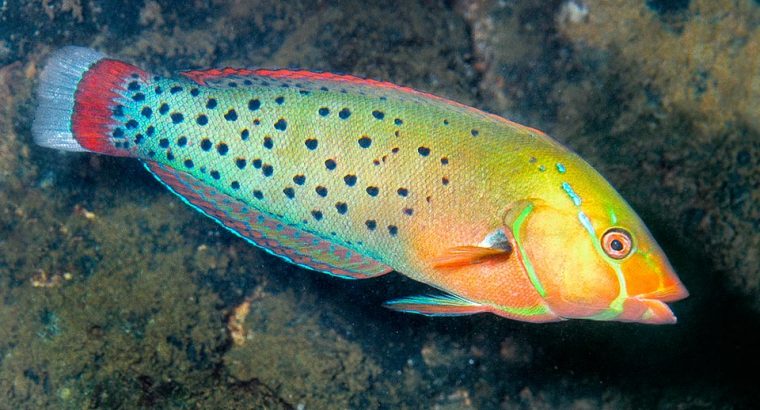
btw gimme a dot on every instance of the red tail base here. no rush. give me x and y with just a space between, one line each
96 96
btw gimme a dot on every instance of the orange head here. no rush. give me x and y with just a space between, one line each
589 255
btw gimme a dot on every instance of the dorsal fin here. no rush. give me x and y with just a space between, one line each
265 231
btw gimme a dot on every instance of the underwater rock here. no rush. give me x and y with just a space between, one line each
302 361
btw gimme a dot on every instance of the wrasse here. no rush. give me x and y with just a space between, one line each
357 178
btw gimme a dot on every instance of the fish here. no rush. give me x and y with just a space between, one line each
357 178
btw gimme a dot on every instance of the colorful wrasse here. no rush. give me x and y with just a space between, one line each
356 178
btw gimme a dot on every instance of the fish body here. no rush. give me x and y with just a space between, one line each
356 178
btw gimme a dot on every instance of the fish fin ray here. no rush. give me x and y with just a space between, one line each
436 305
460 256
265 231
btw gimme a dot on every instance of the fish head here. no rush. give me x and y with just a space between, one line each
594 258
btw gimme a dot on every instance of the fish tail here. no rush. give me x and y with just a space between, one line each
80 97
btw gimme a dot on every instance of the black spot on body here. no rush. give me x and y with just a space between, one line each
231 115
365 141
444 161
194 92
281 124
341 207
344 113
350 179
393 230
371 224
177 117
163 143
211 103
324 111
133 86
474 132
311 143
202 119
118 111
330 164
279 100
138 138
245 134
254 104
408 211
267 170
222 148
150 131
317 214
146 112
158 90
445 181
289 192
182 141
235 185
398 121
321 191
373 190
403 192
205 144
189 163
378 114
118 133
175 89
240 163
258 194
138 97
424 151
163 108
215 174
299 179
268 143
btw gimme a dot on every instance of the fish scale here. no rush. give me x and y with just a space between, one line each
384 118
356 177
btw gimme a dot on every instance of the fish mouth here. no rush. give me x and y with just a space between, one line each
670 293
656 313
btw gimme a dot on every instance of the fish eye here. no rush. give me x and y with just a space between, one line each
617 243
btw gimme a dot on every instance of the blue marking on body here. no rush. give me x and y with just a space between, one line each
561 168
569 191
586 223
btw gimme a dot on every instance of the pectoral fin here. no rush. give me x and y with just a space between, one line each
440 305
460 256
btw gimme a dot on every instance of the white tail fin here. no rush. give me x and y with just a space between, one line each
55 94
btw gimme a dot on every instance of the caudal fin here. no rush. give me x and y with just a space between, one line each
80 92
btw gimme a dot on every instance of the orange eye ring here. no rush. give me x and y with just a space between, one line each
617 243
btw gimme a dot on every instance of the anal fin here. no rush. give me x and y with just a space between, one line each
265 231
